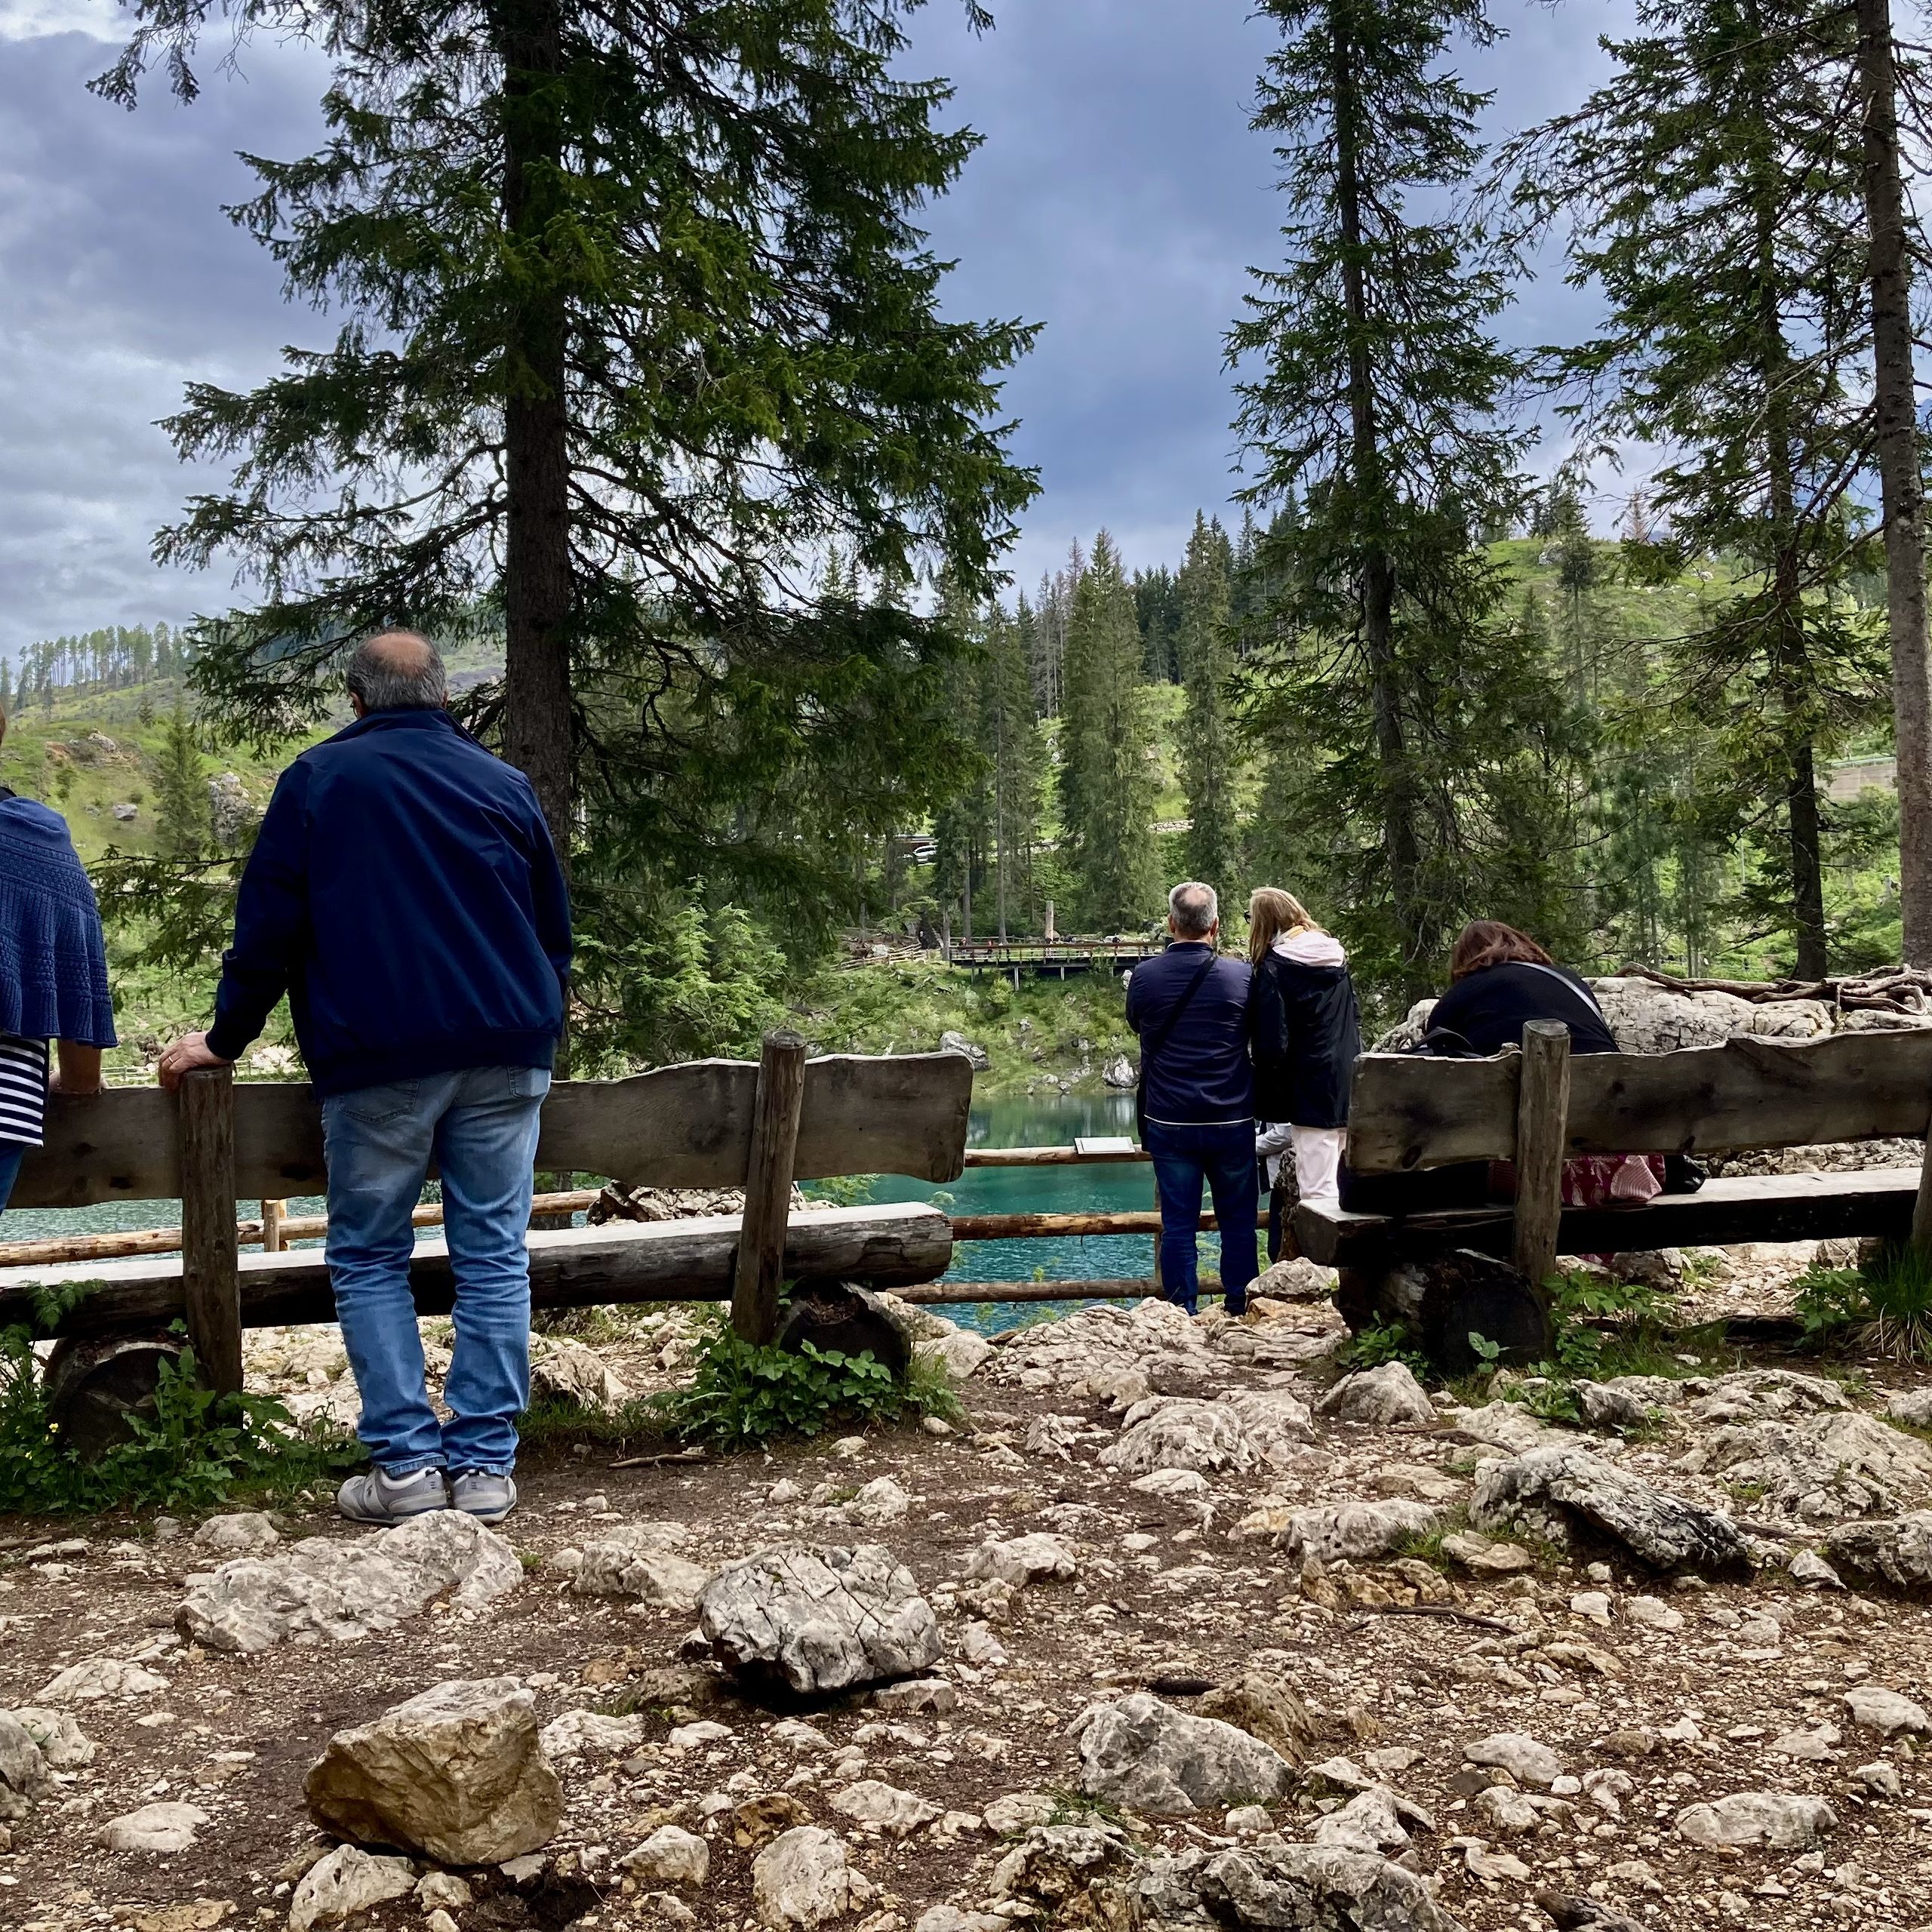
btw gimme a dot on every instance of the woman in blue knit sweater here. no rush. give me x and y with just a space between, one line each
53 975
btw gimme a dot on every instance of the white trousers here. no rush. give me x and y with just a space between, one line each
1318 1163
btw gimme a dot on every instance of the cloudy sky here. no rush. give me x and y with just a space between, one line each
1119 199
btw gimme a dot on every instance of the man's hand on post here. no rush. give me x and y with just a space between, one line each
187 1054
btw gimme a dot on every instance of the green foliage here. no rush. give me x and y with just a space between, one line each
1106 793
1636 1342
1209 751
184 823
1885 1305
196 1450
743 1395
1384 1342
1413 728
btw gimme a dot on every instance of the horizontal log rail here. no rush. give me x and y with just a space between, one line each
1035 1227
1127 1288
1051 1157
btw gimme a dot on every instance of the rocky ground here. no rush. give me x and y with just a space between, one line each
1172 1629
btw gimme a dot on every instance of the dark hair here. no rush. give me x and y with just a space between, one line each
1490 942
387 679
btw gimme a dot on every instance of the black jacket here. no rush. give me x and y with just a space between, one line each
1202 1076
1488 1009
1307 1035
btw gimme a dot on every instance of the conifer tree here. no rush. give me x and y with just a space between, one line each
1106 785
1010 737
1209 761
1713 191
1375 397
184 819
636 318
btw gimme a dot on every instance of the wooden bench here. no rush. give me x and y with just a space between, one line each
1541 1106
707 1124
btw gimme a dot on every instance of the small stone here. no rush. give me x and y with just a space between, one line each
1524 1758
346 1883
439 1920
1653 1613
1785 1820
1144 1754
1245 1820
444 1889
881 1501
893 1811
1880 1779
1811 1570
1021 1811
1594 1606
935 1425
1389 1397
163 1829
1170 1483
1023 1560
848 1447
1507 1811
671 1856
98 1677
1873 1708
250 1529
912 1696
590 1734
1485 1555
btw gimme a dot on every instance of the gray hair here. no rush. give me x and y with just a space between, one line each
1194 909
398 670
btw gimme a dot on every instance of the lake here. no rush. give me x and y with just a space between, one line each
1016 1123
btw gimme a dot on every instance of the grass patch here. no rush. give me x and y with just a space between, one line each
1883 1306
196 1450
745 1393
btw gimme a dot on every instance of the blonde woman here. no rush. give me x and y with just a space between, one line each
1307 1034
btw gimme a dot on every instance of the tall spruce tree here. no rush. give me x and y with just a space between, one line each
1712 187
1372 383
1010 737
636 319
1210 751
1106 783
184 817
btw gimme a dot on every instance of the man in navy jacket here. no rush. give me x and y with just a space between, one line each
404 893
1191 1007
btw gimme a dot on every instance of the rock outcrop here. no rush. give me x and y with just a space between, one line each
1145 1755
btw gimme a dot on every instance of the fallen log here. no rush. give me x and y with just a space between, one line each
895 1246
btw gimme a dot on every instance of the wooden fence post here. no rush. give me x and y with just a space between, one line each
1543 1118
1921 1208
274 1212
210 1285
761 1268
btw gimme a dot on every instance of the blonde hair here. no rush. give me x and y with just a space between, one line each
1271 912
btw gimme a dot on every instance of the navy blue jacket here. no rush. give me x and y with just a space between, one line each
404 893
1202 1076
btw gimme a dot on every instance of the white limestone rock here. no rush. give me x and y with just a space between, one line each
1784 1820
1527 1759
347 1883
323 1589
880 1501
671 1856
590 1734
819 1619
894 1812
1895 1551
1389 1397
245 1531
98 1677
1143 1754
1820 1467
1874 1708
1354 1532
802 1878
1311 1888
162 1829
1023 1560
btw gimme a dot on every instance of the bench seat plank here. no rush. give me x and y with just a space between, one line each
690 1260
1751 1208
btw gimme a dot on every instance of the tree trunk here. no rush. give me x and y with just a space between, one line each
1806 869
1901 481
1378 572
538 596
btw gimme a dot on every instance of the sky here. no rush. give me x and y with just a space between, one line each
1119 199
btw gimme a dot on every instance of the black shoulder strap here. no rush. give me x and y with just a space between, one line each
1149 1048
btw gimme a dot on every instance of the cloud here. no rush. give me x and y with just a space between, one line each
1119 197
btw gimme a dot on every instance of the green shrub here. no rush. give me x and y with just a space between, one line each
744 1393
1885 1305
196 1450
1384 1342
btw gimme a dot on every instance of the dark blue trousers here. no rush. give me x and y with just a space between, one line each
1223 1157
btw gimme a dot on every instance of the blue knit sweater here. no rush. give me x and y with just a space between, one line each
52 961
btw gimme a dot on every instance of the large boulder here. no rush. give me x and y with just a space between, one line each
1552 1491
339 1590
1354 1532
1897 1552
25 1772
1178 1432
1821 1467
1144 1754
1266 1708
1311 1888
457 1773
1785 1820
819 1620
1116 1355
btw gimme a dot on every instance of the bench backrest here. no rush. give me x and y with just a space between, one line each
684 1126
1407 1111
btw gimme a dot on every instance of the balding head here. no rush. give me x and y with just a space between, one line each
397 671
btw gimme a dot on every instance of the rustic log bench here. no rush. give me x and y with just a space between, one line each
1539 1106
706 1124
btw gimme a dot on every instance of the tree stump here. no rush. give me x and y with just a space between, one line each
1443 1301
92 1387
842 1315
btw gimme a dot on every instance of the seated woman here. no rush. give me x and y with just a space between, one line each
1500 979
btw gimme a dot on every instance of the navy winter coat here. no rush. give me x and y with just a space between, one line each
404 892
1202 1076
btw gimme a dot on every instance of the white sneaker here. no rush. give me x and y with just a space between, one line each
380 1498
487 1497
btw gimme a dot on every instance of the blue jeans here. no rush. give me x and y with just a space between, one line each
480 1125
12 1153
1224 1157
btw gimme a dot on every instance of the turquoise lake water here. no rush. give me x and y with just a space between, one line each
1036 1123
